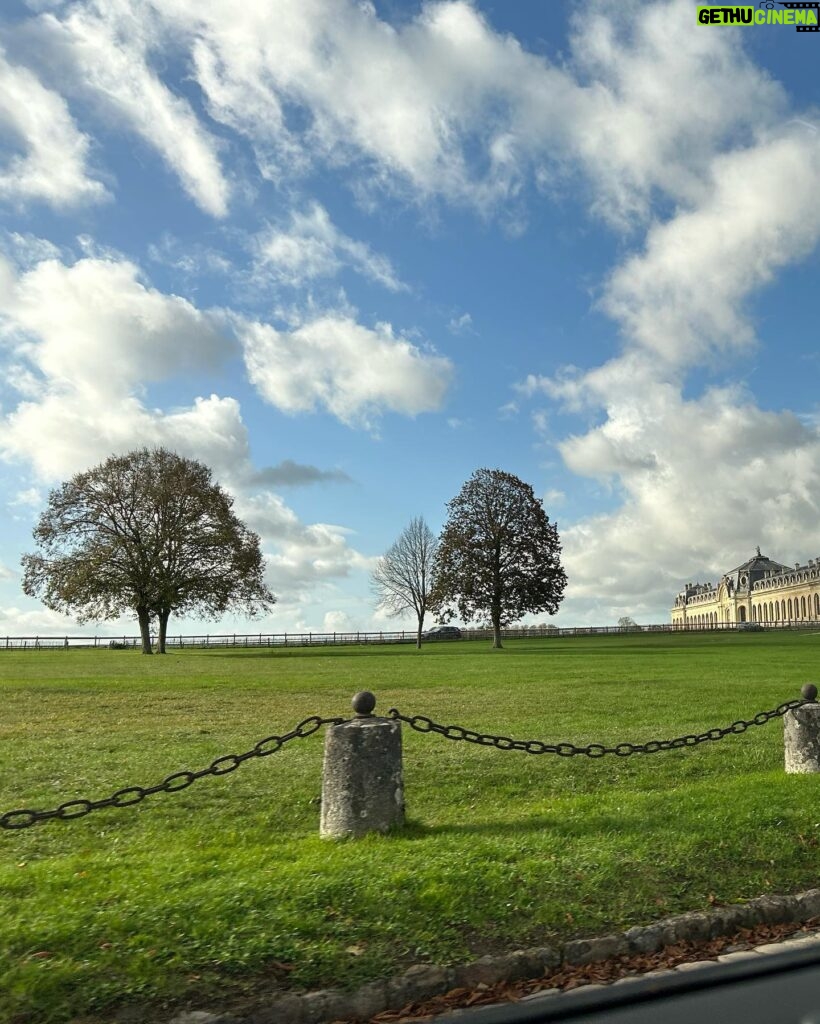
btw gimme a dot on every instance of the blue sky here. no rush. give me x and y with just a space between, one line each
347 253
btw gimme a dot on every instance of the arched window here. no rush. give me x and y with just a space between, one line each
789 607
741 614
803 607
783 609
817 605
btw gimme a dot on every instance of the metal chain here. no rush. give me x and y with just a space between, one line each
175 783
456 732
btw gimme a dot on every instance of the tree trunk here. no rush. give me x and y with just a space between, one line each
163 629
144 619
495 615
418 632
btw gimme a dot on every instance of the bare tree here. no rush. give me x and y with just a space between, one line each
147 532
403 579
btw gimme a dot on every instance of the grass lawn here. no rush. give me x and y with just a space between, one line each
225 889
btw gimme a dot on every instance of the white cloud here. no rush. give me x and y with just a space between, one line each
64 433
438 105
703 482
337 622
698 481
312 247
657 101
30 497
33 622
461 325
411 100
52 166
27 250
190 259
681 298
109 46
94 328
304 556
355 372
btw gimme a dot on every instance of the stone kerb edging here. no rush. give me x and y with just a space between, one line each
425 981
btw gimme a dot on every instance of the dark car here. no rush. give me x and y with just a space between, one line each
442 633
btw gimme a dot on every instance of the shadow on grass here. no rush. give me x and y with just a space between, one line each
520 647
623 826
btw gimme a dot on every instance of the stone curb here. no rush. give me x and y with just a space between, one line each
426 981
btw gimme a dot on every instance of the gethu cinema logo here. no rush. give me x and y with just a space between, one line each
803 16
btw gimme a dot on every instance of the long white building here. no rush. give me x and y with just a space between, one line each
760 590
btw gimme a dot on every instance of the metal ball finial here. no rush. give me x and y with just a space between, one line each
363 703
809 691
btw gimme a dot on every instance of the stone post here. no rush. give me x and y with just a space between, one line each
801 734
362 780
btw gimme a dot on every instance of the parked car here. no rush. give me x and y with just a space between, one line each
750 627
442 633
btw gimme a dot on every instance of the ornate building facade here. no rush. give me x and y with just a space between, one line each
760 590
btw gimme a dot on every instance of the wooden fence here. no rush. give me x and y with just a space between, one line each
404 636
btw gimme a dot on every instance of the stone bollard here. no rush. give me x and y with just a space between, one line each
801 734
362 780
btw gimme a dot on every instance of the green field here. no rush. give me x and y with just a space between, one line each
225 890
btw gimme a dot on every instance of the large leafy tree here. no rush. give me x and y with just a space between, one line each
498 556
403 577
149 533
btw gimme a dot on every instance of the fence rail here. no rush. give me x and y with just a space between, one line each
405 636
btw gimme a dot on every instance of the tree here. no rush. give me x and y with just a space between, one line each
498 554
150 533
628 624
403 578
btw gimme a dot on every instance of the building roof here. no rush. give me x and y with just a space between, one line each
759 564
758 567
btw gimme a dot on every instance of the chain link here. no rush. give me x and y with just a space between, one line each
175 783
129 796
421 723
